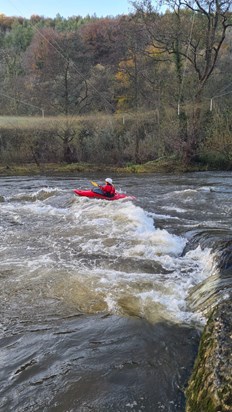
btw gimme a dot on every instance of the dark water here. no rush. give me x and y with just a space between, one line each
102 303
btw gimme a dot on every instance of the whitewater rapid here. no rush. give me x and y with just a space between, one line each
98 256
102 303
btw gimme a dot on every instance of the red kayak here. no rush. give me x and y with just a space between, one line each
92 194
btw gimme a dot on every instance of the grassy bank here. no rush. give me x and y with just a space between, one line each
99 142
158 166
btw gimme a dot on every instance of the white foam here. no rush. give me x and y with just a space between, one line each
176 209
114 232
131 225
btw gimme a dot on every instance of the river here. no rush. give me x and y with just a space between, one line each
103 303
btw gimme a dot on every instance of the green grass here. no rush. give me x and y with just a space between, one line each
51 122
162 166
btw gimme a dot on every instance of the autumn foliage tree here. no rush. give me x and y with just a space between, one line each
154 72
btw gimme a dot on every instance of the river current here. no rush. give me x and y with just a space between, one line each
103 302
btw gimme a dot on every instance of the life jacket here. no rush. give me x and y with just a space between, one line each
109 190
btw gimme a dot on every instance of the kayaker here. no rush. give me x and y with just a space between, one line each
108 189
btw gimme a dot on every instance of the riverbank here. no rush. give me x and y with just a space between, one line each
210 386
162 165
74 143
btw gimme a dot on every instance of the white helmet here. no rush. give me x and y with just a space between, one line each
109 180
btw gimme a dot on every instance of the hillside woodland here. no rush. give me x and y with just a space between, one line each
119 90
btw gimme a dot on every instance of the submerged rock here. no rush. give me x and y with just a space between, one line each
210 386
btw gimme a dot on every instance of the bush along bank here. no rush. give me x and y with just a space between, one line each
210 386
108 141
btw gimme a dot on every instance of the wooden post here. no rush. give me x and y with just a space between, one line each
211 105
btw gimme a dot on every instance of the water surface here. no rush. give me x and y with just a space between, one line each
102 303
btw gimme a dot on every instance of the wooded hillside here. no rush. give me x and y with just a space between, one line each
119 90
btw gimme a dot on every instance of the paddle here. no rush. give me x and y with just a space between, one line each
94 184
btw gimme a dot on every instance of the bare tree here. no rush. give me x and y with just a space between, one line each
193 33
